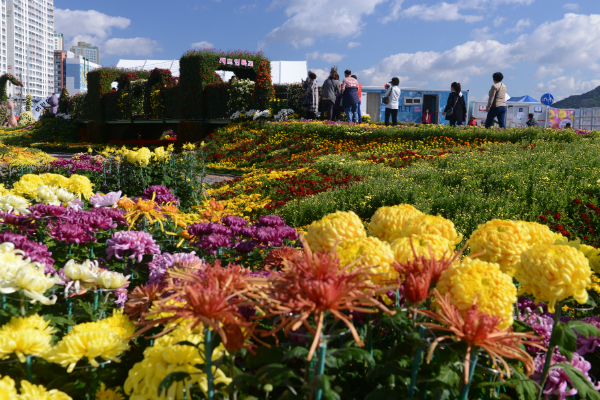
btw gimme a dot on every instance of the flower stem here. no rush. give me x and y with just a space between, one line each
464 393
28 368
550 352
208 359
416 364
232 373
22 303
321 367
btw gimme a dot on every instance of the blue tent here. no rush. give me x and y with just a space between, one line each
523 99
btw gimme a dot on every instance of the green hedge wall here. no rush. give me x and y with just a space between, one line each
78 106
99 82
172 102
197 67
215 101
110 106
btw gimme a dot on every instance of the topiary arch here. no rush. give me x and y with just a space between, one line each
4 79
197 70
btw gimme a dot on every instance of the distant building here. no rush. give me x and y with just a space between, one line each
59 41
75 73
88 51
28 46
60 71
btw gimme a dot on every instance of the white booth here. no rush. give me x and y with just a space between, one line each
517 109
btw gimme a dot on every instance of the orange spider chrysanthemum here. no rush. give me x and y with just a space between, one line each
147 209
480 329
312 284
126 204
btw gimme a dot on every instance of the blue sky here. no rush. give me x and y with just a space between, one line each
540 45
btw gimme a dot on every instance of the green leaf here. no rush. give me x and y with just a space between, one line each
566 340
296 352
172 378
386 393
341 357
585 389
584 329
521 327
323 383
263 356
186 343
244 383
275 374
383 371
448 376
525 387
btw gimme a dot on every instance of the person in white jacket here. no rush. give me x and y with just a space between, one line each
393 95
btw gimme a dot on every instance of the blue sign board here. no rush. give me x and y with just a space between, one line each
547 99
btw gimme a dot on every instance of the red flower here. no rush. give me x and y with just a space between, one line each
577 201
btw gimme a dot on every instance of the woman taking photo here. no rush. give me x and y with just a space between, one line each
391 101
456 108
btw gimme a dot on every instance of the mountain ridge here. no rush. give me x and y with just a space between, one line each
585 100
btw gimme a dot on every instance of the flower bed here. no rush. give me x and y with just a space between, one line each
182 290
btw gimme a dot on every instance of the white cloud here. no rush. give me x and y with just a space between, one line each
572 6
544 72
482 33
567 85
546 46
394 12
90 23
311 19
440 12
203 45
520 25
498 21
138 46
327 57
352 45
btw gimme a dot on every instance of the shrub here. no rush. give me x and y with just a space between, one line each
214 104
99 82
63 101
110 105
28 99
4 79
159 79
240 95
78 106
172 102
26 118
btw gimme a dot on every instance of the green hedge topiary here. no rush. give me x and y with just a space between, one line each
63 101
99 82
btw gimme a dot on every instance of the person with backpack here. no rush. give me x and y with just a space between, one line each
456 108
331 87
349 88
391 99
496 107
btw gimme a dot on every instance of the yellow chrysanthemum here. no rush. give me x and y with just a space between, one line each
482 282
403 251
25 336
91 340
165 357
28 185
433 225
3 190
539 235
591 253
80 185
323 234
387 222
553 273
120 324
7 389
372 253
38 392
108 394
501 242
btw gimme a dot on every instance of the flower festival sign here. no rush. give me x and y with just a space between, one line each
236 62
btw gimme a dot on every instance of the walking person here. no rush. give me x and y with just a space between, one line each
310 99
497 102
359 99
456 108
331 87
391 99
349 88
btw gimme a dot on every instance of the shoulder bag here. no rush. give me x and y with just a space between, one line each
386 99
451 111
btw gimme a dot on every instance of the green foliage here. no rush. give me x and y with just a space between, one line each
214 104
47 130
505 182
240 95
293 92
63 101
99 82
26 118
110 106
78 106
28 99
566 340
4 79
172 102
585 389
584 329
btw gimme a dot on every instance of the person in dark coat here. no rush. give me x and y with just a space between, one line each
456 102
349 88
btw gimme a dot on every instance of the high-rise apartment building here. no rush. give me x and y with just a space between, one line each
59 41
70 71
92 53
28 45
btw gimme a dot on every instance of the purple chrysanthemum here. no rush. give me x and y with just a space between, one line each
116 214
132 245
162 194
38 252
45 210
158 267
558 381
92 222
213 242
271 221
22 223
70 233
541 324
